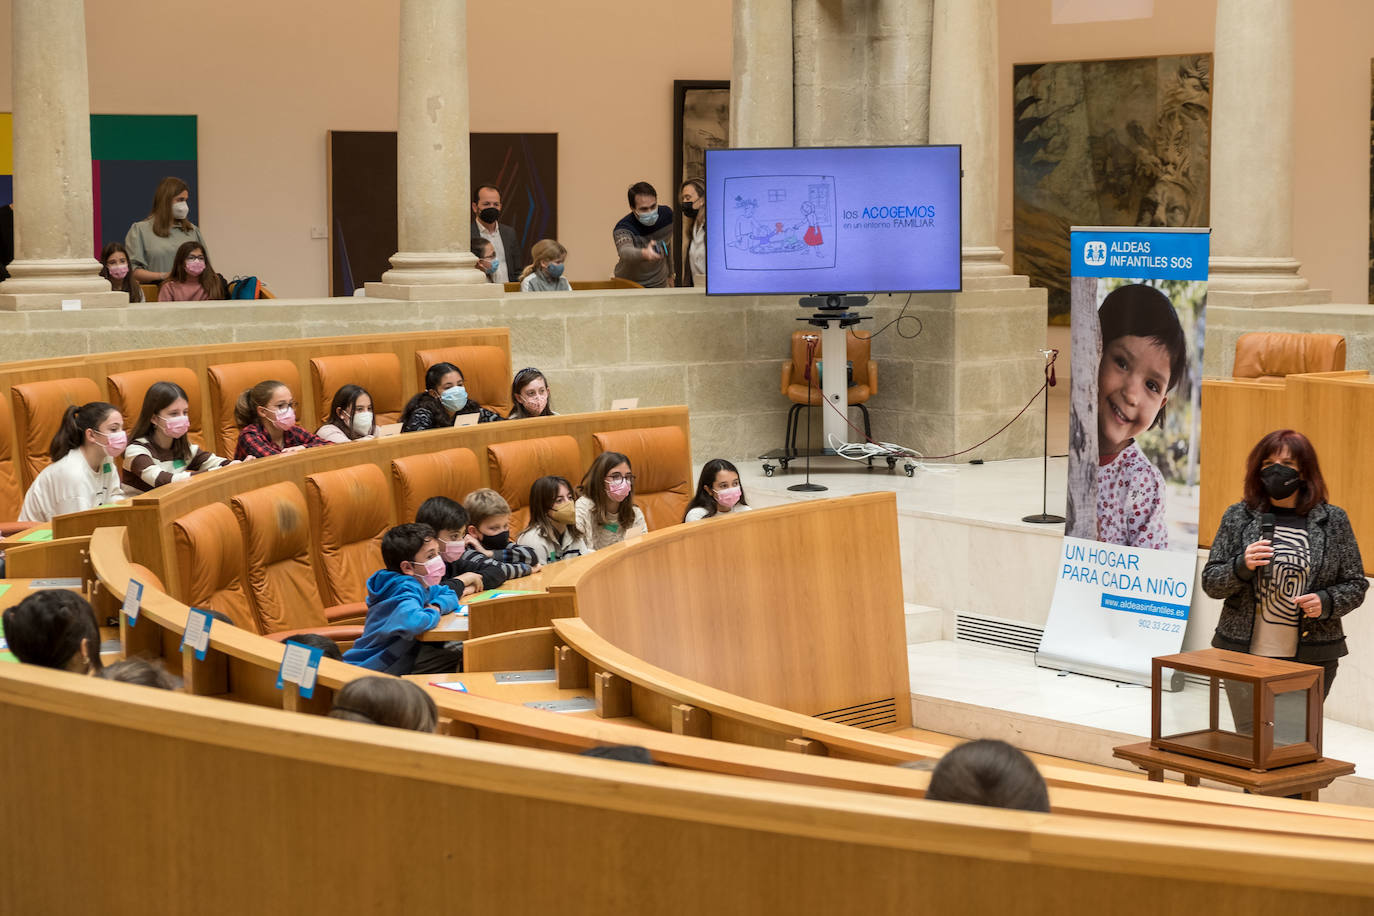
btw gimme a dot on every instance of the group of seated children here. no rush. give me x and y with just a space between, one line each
92 445
190 279
544 273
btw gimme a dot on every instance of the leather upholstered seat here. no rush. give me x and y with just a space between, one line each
38 410
228 381
379 373
486 373
802 391
1261 354
128 389
453 473
662 464
350 510
210 573
515 466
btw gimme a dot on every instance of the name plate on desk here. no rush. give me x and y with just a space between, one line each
545 676
64 582
575 704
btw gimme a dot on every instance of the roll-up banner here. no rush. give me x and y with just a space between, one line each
1125 575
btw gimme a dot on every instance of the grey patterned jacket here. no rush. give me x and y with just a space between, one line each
1337 577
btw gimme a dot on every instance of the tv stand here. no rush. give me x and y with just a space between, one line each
833 314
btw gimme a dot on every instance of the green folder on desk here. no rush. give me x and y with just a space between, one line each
497 593
41 534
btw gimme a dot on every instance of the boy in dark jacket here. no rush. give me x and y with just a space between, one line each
467 548
403 601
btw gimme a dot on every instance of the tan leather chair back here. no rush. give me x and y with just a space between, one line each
486 373
276 550
350 510
379 373
128 389
453 473
229 380
859 350
209 551
515 466
661 461
1262 354
11 493
38 410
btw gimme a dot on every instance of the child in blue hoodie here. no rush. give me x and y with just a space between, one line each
403 601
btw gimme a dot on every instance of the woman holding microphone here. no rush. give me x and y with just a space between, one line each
1285 561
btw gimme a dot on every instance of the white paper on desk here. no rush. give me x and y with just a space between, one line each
293 663
624 404
307 681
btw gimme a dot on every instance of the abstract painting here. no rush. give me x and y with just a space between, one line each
1106 143
701 121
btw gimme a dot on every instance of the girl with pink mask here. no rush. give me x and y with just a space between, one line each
160 451
115 267
529 393
266 414
718 492
84 471
191 279
606 513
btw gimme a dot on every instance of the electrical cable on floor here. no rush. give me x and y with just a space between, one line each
889 447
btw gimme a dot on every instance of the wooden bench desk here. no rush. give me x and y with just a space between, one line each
1302 778
485 684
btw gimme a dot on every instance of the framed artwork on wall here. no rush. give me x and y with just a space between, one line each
701 121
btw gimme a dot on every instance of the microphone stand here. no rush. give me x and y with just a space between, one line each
1044 518
808 486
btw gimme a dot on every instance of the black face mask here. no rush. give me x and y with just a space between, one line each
1280 481
489 214
496 541
689 210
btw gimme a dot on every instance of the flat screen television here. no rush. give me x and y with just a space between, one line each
875 219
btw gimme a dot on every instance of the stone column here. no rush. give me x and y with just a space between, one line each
761 74
54 237
963 109
1252 148
899 61
433 219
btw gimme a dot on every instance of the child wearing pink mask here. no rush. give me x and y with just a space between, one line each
84 469
191 278
115 267
403 601
606 513
266 414
718 491
1144 354
159 450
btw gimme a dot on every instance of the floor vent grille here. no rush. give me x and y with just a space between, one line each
877 714
993 631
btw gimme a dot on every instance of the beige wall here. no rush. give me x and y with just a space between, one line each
602 78
268 78
1335 42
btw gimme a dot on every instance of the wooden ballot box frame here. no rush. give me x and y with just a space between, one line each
1267 678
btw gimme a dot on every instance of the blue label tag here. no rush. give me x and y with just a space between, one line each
197 632
300 665
132 596
1139 252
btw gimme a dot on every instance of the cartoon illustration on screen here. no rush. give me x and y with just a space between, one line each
781 222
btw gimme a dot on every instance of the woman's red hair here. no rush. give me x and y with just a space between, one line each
1313 490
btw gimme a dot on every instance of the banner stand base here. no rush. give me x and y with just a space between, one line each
1105 672
1040 518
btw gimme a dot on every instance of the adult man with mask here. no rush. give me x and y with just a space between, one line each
644 239
486 215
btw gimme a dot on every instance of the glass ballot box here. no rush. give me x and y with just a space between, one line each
1240 709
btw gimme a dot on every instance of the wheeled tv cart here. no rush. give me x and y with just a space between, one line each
832 314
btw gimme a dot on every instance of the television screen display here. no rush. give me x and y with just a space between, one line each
832 220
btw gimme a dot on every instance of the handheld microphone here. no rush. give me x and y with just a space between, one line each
1267 526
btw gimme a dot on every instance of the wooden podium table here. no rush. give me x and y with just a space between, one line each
1303 778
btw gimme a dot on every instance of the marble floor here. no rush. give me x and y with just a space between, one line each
973 690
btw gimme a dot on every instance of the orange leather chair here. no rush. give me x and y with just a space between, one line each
281 581
486 373
228 381
453 473
802 392
11 493
128 389
350 510
379 373
662 463
209 552
1262 354
515 466
38 410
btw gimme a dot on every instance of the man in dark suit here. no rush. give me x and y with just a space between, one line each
486 224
